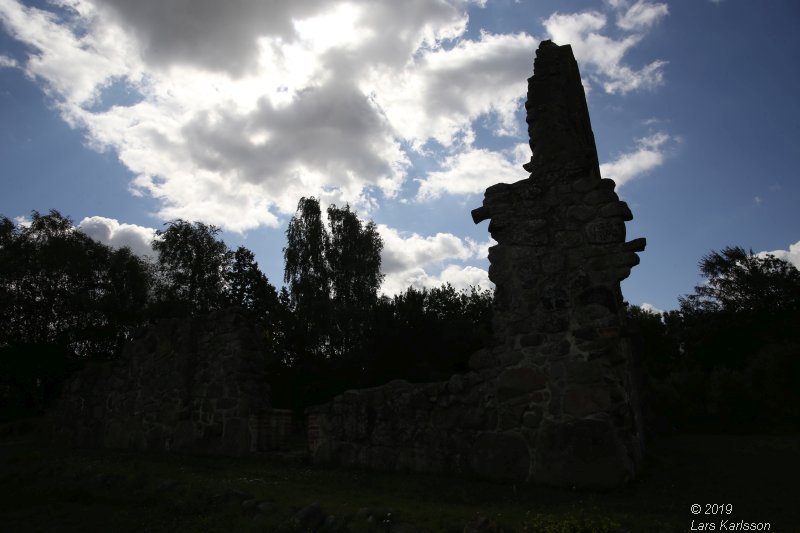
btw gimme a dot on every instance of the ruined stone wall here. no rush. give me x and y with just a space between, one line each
555 401
430 427
195 384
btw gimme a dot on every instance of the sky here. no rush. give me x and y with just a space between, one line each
125 115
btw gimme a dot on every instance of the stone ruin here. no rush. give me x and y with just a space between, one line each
554 402
197 385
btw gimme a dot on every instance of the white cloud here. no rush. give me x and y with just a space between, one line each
76 61
403 251
650 308
442 92
465 277
247 106
22 221
480 250
110 232
460 277
792 255
213 35
642 15
473 170
649 154
602 56
408 259
230 36
7 62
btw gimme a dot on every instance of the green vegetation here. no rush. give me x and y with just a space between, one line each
66 299
93 490
729 359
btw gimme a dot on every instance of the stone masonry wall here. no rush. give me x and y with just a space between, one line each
554 402
196 384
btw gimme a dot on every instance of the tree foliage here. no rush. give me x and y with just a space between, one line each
354 260
427 334
729 359
67 297
740 281
307 274
247 287
61 287
64 297
333 276
191 266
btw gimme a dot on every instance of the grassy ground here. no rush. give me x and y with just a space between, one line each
46 489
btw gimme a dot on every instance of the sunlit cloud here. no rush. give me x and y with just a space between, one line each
650 308
410 259
241 108
649 154
112 233
641 15
472 171
601 57
792 255
7 62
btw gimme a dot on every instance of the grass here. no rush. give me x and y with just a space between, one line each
50 489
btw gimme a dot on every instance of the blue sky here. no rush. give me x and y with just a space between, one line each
124 115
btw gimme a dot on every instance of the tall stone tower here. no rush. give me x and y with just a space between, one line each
554 401
557 267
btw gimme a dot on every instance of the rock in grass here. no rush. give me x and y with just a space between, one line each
309 518
250 506
480 525
167 484
238 495
335 524
266 507
403 527
231 496
109 480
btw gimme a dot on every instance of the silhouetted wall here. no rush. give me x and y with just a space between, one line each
196 384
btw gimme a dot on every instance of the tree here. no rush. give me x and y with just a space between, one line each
64 297
192 265
125 296
427 334
9 280
746 300
46 273
307 274
737 280
333 277
354 259
248 287
660 350
53 280
728 358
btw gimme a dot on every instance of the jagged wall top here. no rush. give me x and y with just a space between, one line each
561 232
557 115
